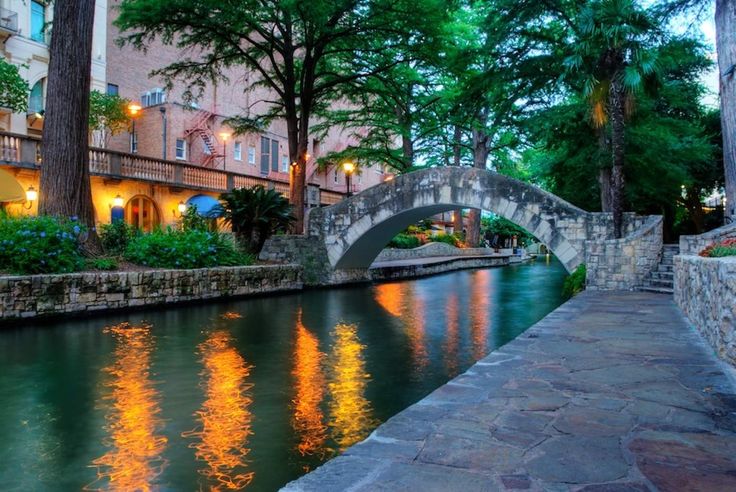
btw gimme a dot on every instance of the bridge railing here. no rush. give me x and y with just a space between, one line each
25 151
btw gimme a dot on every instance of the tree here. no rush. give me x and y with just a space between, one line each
302 51
108 116
255 214
65 187
613 51
13 89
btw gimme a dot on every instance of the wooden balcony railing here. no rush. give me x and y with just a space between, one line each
24 151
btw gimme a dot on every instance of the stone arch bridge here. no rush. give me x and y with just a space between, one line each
343 240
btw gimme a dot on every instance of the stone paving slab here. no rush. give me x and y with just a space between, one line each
613 391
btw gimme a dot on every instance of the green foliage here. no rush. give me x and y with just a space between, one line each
191 220
13 89
106 264
173 248
726 247
116 236
41 244
504 228
405 241
255 214
108 115
575 282
451 239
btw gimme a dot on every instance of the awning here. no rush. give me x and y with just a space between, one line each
10 189
206 205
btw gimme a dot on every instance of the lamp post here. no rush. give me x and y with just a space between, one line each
134 110
224 136
349 169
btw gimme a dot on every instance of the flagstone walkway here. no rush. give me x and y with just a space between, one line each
610 392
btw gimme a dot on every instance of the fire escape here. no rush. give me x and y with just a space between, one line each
201 127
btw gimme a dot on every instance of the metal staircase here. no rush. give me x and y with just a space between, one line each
201 126
661 278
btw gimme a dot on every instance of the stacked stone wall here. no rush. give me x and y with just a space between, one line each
622 264
705 290
46 295
430 250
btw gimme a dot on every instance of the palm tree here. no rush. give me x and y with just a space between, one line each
614 53
255 214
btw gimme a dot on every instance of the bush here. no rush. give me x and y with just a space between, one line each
172 248
575 282
451 239
41 244
719 250
191 220
106 264
116 236
405 241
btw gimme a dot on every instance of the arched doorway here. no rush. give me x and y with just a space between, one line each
142 212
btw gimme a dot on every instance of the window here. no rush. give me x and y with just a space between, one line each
269 155
181 149
238 151
141 212
335 176
38 21
113 90
134 143
35 99
284 164
153 97
251 154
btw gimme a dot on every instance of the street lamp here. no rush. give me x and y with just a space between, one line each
118 201
181 208
224 136
31 196
349 169
134 110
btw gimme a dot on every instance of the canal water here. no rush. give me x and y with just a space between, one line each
245 394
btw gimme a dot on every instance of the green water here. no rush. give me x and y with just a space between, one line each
243 394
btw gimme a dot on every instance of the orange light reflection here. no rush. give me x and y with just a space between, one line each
390 296
225 421
133 422
309 385
351 416
400 300
479 304
452 337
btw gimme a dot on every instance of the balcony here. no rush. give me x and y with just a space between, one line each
22 151
8 23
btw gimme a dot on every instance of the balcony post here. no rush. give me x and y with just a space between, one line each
178 174
230 182
116 165
29 152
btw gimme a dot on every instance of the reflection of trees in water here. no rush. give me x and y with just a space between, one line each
309 389
225 420
132 411
479 315
451 346
401 301
351 418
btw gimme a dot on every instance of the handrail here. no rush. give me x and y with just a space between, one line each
23 150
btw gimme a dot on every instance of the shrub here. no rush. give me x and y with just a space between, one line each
191 220
719 250
40 244
172 248
106 264
405 241
116 236
575 282
451 239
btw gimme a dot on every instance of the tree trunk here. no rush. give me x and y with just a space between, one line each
618 149
65 189
457 216
298 180
726 48
480 159
604 174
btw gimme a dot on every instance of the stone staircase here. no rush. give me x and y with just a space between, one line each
661 278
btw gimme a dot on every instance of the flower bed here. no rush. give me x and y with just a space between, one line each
723 248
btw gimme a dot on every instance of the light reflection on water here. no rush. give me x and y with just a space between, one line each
134 459
224 418
245 394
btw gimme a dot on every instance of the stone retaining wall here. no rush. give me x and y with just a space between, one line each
622 264
421 270
429 250
705 290
692 245
46 295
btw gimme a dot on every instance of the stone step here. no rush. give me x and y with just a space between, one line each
658 290
651 282
664 268
662 275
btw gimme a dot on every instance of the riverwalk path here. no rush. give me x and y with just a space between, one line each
613 391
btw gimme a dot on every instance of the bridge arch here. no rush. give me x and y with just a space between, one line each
355 230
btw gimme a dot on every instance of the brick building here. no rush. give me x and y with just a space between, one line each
173 152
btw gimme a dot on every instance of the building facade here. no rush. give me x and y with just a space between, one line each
173 152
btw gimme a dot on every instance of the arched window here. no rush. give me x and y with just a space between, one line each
141 212
35 99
